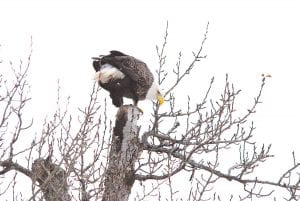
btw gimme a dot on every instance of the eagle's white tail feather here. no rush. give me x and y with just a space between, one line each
107 73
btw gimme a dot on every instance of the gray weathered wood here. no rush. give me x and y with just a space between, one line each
124 152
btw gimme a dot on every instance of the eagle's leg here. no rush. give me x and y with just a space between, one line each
135 102
116 99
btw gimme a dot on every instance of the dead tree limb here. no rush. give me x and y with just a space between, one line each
125 149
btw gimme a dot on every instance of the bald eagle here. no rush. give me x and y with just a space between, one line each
125 76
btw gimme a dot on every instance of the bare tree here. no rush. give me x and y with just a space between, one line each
88 157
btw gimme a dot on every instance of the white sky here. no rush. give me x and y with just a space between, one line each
245 39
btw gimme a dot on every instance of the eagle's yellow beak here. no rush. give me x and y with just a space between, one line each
160 99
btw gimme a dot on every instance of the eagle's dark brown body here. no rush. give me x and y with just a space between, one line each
134 83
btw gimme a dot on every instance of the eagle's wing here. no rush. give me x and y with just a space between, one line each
132 67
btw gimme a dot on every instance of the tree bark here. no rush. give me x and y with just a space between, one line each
125 149
52 180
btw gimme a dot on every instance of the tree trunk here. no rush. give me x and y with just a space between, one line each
124 152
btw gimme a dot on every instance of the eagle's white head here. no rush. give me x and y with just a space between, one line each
154 93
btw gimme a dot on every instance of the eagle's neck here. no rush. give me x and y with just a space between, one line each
152 92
